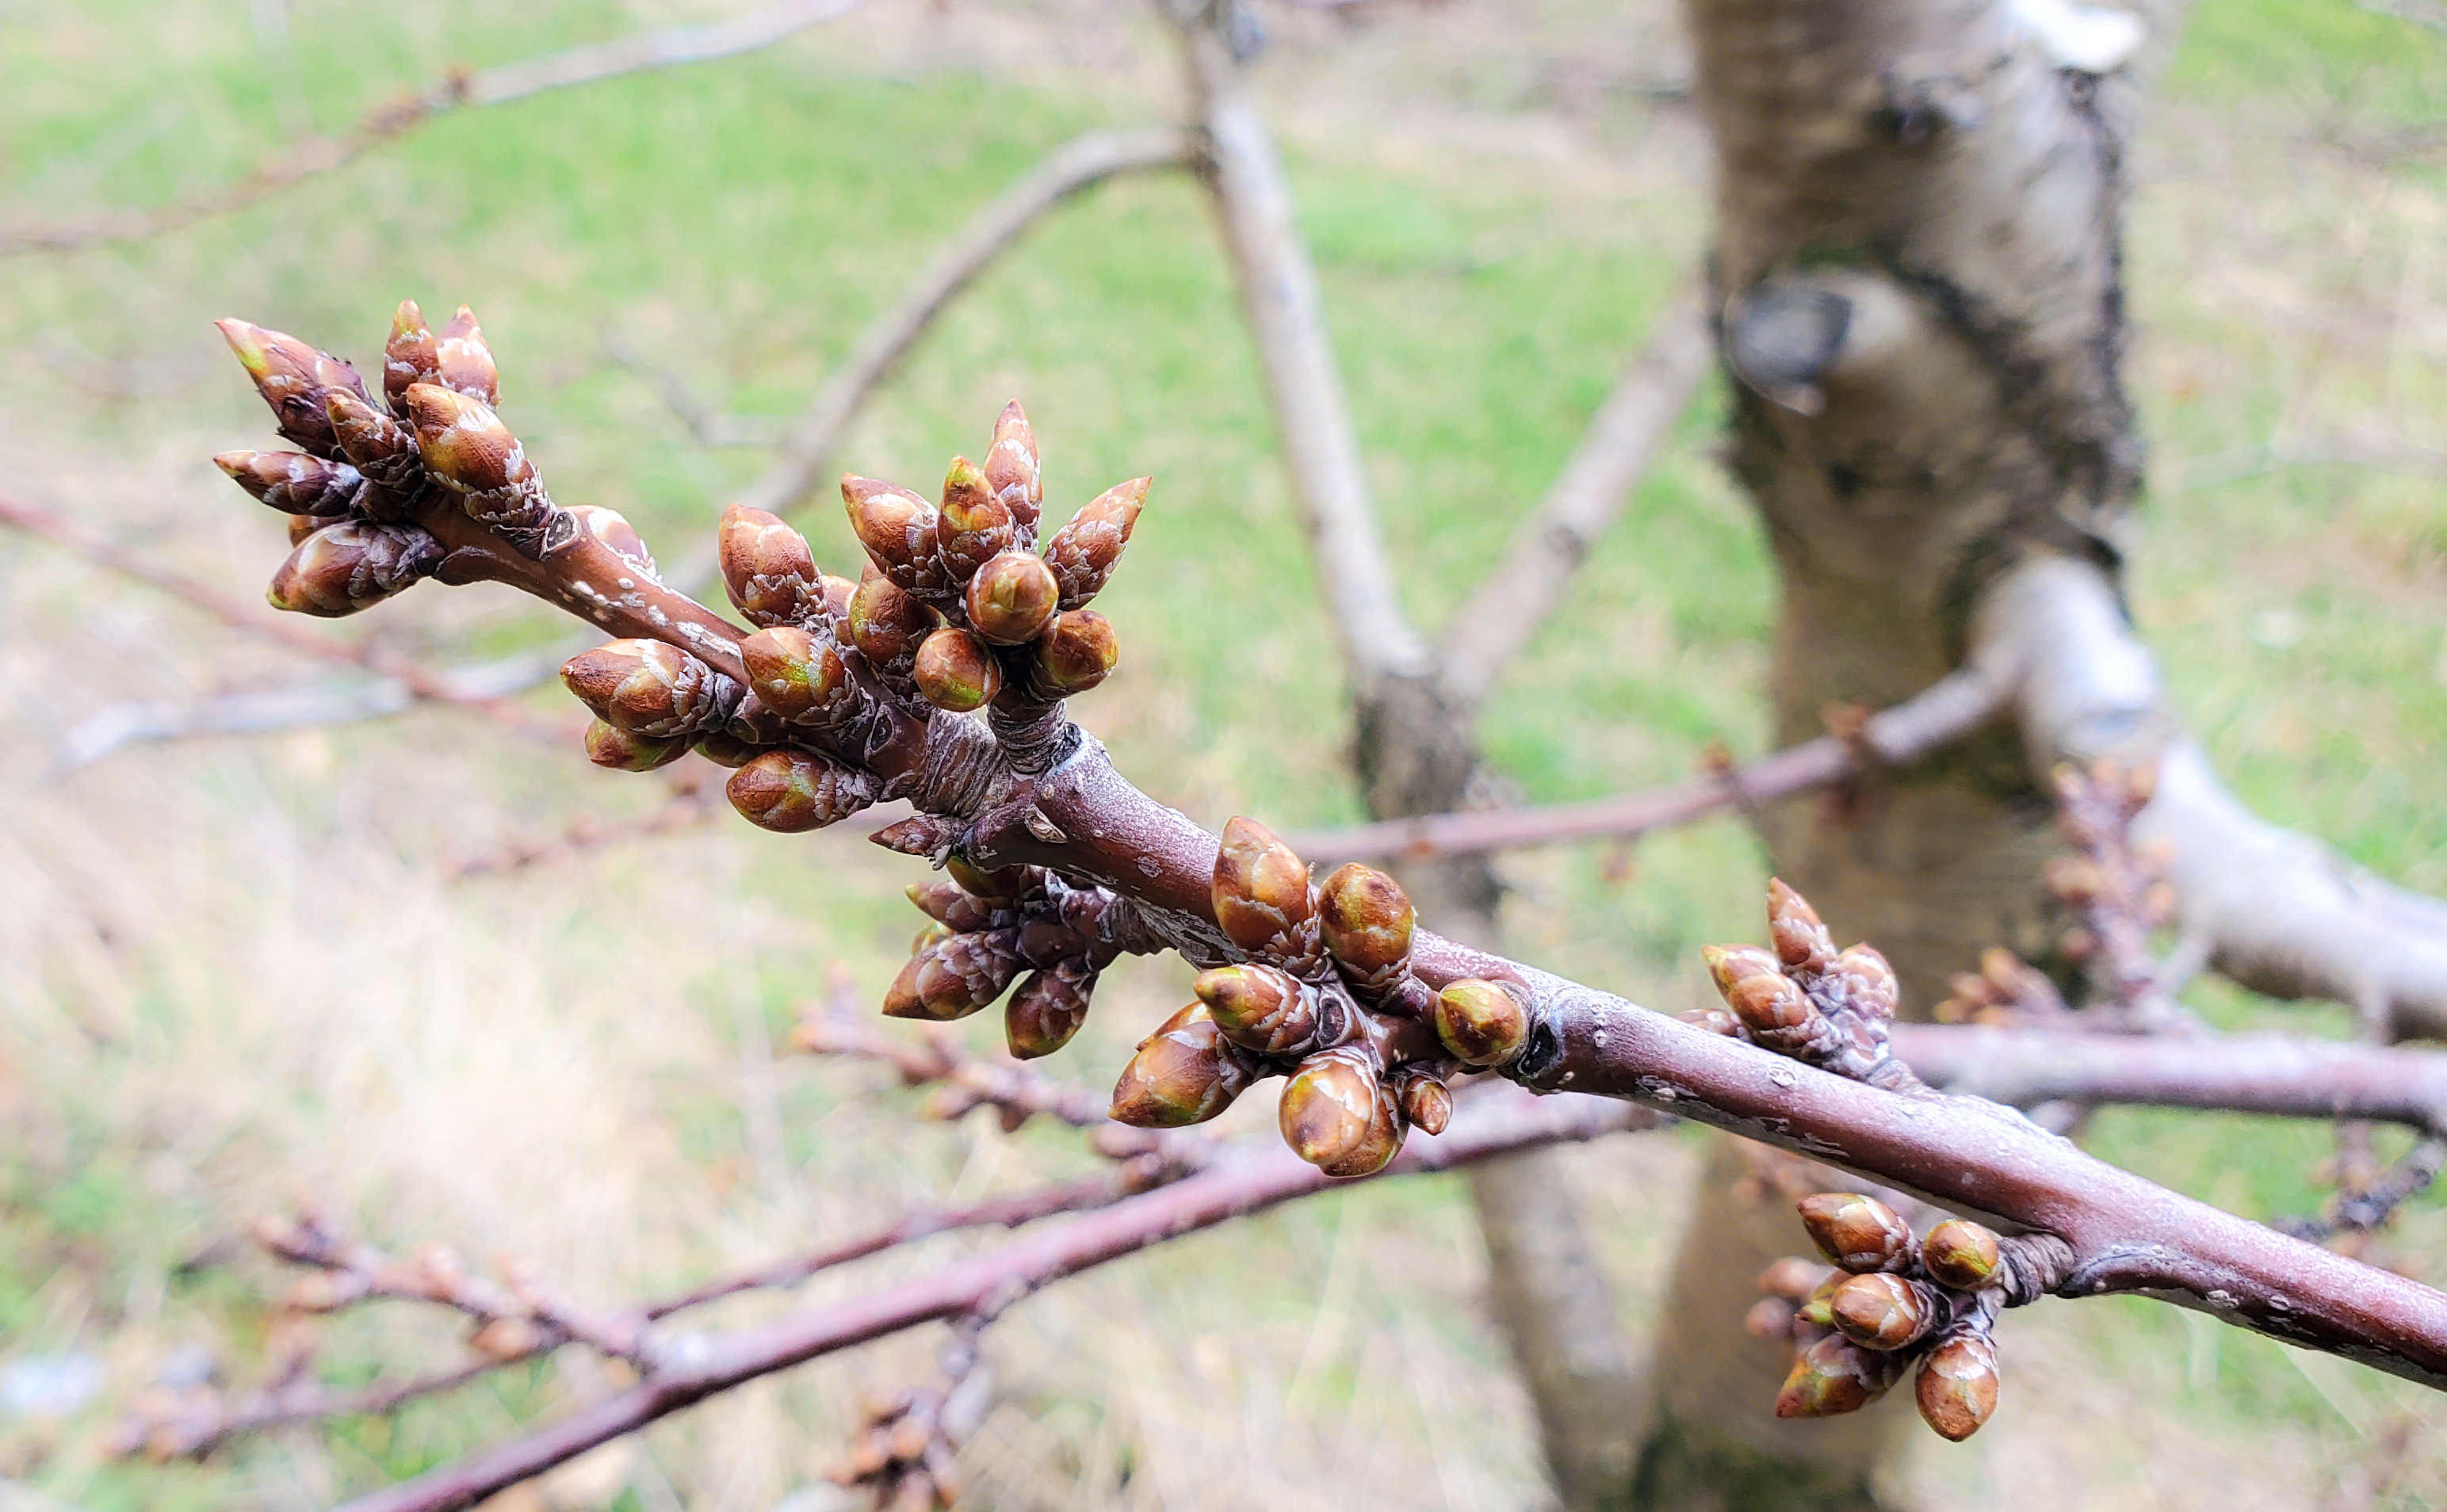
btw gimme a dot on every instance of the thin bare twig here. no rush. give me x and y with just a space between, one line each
316 156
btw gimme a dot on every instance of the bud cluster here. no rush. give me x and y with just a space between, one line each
1804 999
959 609
902 1457
2118 894
1891 1303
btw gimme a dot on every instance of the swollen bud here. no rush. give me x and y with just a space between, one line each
1048 1008
1860 1234
797 675
1084 552
1960 1255
886 625
1076 652
767 567
1835 1377
1260 1009
651 688
293 482
1760 995
951 905
409 356
462 361
1883 1311
466 446
292 378
1801 941
1865 983
627 751
1426 1103
1184 1073
975 527
953 975
1481 1023
1957 1387
1011 472
1367 920
1260 893
380 448
1714 1020
793 791
898 530
352 565
954 670
1336 1114
1012 598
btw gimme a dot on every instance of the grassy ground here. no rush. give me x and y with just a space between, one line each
233 974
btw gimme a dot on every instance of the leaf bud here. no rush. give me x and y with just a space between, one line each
1048 1008
1260 893
1262 1008
953 975
1336 1114
352 565
1835 1377
1858 1233
1012 598
1801 941
792 791
292 378
886 625
625 750
1957 1385
1083 553
797 675
1184 1073
1862 982
767 567
1481 1023
1761 997
293 482
1883 1311
975 527
1077 652
651 688
1002 886
466 446
1367 920
1960 1255
1426 1103
951 905
1012 471
381 448
462 361
409 356
898 530
955 670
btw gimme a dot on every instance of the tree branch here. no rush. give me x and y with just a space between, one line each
316 156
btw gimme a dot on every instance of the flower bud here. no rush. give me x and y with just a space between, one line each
409 356
953 975
797 675
352 565
1769 1318
628 751
1083 553
1860 1234
1834 1376
1260 893
1481 1023
1960 1255
1012 598
1336 1114
1011 472
1260 1009
887 625
1761 997
1883 1311
1048 1008
975 527
474 455
898 530
955 670
1957 1387
792 791
1184 1073
462 361
951 905
1002 886
651 688
292 378
612 528
726 749
1367 920
1077 652
1791 1277
381 448
1817 1310
767 567
293 482
1862 981
1801 941
1426 1103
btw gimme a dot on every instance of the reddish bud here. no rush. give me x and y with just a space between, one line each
1076 653
1002 886
1862 981
1184 1073
1714 1020
793 791
651 688
1801 941
898 530
293 482
1960 1255
1481 1023
726 749
951 905
612 528
1367 920
1048 1009
1336 1114
1860 1234
1835 1377
381 448
292 378
1761 997
953 975
409 356
797 675
955 670
1012 598
1791 1277
887 625
462 361
1426 1103
1083 553
767 567
352 565
1957 1387
1260 1009
1260 893
1883 1311
474 455
975 527
628 751
1012 471
1769 1318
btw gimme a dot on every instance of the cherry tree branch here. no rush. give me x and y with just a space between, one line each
312 157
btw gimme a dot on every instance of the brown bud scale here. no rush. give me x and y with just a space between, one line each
353 565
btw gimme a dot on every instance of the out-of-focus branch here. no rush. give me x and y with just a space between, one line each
315 156
1942 713
1078 164
1504 612
2282 914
